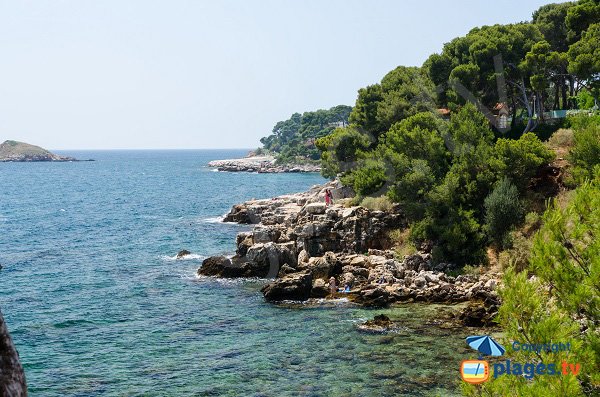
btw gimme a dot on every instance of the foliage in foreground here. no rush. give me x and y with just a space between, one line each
560 304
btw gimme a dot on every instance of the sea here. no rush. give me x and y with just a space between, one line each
98 305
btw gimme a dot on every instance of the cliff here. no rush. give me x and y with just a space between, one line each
21 152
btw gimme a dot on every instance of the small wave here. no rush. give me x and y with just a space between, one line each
183 258
214 219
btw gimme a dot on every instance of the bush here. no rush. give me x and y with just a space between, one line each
381 203
367 179
520 159
563 138
503 210
585 154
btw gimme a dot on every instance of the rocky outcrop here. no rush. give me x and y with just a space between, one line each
260 164
12 377
13 151
301 243
380 324
296 286
182 254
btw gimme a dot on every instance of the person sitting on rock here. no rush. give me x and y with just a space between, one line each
346 288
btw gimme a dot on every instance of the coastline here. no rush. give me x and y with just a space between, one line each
300 243
260 164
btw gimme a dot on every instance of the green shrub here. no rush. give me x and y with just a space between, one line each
368 178
503 210
585 154
520 159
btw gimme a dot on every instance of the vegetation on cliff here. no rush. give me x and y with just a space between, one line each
458 141
293 140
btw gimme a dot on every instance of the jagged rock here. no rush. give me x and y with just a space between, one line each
285 269
295 286
325 266
380 324
376 260
315 208
221 266
244 241
182 253
475 315
262 234
12 376
420 282
374 297
303 257
320 289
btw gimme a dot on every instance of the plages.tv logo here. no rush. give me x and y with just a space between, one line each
478 371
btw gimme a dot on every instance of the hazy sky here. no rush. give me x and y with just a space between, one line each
82 74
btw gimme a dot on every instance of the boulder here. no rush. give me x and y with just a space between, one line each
182 253
320 289
303 257
270 256
420 282
296 286
244 241
475 315
315 208
380 324
324 267
221 266
262 234
374 297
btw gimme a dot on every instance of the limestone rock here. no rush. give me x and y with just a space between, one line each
295 286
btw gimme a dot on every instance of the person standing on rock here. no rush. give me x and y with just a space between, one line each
328 197
332 286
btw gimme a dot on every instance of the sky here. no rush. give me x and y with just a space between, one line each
175 74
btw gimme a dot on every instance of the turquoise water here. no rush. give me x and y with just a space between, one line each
97 306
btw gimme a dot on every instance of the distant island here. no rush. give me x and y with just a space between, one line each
13 151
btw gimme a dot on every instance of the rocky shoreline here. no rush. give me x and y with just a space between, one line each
301 243
260 164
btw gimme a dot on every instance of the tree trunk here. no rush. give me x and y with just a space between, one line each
12 377
565 101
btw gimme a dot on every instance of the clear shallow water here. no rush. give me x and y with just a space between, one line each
97 306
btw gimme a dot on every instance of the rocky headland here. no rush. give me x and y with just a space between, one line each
13 151
301 243
260 164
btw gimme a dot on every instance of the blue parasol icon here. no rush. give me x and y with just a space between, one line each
486 345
